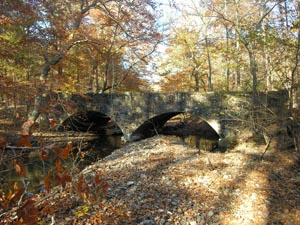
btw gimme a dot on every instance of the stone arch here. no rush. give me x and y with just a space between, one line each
205 127
194 124
150 126
91 121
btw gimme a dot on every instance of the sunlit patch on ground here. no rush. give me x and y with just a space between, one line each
249 204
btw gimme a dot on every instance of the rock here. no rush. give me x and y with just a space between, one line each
147 222
210 213
129 183
162 221
200 219
174 203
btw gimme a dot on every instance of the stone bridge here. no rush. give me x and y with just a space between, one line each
131 111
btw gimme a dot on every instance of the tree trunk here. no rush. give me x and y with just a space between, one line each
97 78
195 75
292 88
237 68
227 70
267 74
237 46
42 90
78 79
91 79
253 70
105 78
210 85
60 69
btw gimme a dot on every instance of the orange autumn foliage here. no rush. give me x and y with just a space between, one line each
3 143
65 152
47 184
100 183
24 141
53 123
11 197
44 154
62 179
20 168
82 187
27 213
26 128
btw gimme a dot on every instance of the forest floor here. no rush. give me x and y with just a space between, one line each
164 181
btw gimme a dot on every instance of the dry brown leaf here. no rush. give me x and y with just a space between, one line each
24 141
20 168
47 184
44 154
3 143
65 153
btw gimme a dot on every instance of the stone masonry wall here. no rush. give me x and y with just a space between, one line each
130 110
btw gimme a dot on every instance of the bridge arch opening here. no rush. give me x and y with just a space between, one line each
189 124
179 124
93 122
191 129
151 126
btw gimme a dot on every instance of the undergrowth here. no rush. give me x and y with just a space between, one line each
18 206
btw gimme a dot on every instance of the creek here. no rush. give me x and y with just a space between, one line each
37 169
